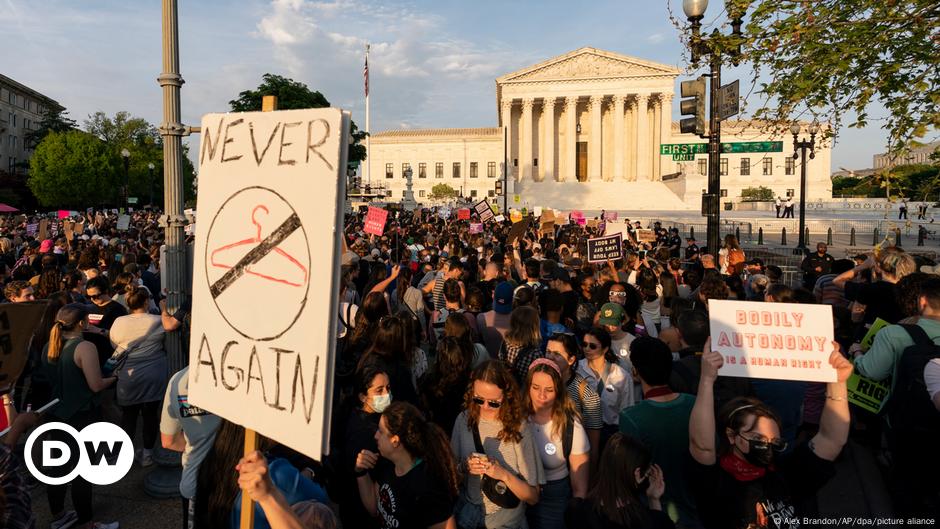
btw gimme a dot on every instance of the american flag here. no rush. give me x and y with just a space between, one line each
365 74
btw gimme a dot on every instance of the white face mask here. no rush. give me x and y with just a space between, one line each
381 402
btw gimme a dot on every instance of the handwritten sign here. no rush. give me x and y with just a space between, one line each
484 211
582 221
646 236
32 229
499 218
375 221
611 215
267 270
476 227
602 249
463 214
515 216
123 222
783 341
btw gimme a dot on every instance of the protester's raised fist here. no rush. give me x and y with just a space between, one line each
711 362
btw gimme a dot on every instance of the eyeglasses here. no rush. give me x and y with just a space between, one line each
618 294
777 445
492 404
99 295
590 345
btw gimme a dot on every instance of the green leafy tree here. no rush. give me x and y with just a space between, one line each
831 59
54 119
73 169
294 95
443 192
757 194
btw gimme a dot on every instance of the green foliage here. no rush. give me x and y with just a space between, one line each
55 119
757 194
73 169
831 58
918 181
443 192
293 95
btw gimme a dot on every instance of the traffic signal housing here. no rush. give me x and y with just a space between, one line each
694 106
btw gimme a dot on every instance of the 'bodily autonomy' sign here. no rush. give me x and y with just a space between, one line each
786 341
266 271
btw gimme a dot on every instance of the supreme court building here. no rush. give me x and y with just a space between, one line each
591 129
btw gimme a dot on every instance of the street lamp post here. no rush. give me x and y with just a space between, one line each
126 154
699 46
150 167
799 148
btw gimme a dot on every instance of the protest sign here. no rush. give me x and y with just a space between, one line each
592 223
463 214
611 215
561 219
582 221
646 236
43 229
602 249
515 216
783 341
484 211
866 393
78 227
123 222
499 218
32 229
69 230
443 213
577 215
17 322
266 272
537 211
876 326
518 230
63 214
375 221
476 227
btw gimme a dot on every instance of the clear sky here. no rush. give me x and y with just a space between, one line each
433 62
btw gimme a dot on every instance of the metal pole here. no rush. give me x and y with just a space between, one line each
151 185
506 168
127 179
174 221
801 246
714 139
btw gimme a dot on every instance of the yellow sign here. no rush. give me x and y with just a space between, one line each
515 216
516 199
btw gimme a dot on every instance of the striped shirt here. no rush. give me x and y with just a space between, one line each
828 293
439 291
586 401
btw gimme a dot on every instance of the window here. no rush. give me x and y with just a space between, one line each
788 166
456 169
515 162
768 167
789 193
439 170
388 193
491 193
421 193
473 193
422 170
389 171
14 121
535 162
473 170
745 167
723 167
703 166
404 167
724 192
491 170
402 193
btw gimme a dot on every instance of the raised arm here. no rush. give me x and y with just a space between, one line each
702 421
382 285
834 423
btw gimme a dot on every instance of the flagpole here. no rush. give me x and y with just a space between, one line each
368 129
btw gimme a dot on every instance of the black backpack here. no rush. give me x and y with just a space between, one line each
910 407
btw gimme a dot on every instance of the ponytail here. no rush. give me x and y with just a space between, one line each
55 342
424 439
69 317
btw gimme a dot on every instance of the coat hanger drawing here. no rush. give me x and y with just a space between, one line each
297 281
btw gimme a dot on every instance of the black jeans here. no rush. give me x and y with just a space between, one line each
81 489
150 411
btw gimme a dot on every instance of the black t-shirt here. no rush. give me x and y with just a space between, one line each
104 317
570 310
581 513
880 299
691 251
774 501
411 501
675 244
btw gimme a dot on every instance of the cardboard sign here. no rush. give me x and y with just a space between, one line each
602 249
463 214
646 236
592 223
499 218
783 341
78 227
123 222
375 221
476 227
868 394
267 269
43 229
484 211
518 230
69 230
561 219
18 321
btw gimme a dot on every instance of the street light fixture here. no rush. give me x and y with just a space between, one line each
150 166
126 154
799 147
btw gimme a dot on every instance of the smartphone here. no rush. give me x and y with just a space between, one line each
478 455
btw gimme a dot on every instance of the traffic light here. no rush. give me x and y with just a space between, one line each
694 106
499 188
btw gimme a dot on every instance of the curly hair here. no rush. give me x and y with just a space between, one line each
510 412
424 439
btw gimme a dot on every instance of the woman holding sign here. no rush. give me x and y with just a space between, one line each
745 482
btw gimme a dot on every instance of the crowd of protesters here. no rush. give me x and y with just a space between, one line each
496 380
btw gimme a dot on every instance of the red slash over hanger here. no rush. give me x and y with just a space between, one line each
294 282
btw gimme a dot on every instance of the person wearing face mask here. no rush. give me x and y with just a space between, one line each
617 503
744 482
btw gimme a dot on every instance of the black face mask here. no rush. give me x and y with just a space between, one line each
759 454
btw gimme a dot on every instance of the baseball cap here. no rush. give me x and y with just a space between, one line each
45 246
502 298
611 314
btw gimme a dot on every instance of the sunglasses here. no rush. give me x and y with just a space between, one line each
777 445
99 295
618 294
492 404
590 345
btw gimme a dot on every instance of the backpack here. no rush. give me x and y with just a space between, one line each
910 407
735 262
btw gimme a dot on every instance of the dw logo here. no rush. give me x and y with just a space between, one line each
57 453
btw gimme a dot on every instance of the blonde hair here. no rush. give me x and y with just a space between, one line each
896 263
563 409
68 318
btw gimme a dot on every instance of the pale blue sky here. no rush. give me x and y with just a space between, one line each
433 63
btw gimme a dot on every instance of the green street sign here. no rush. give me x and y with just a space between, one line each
683 157
685 152
683 148
752 146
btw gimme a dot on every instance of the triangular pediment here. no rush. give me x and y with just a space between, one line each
589 63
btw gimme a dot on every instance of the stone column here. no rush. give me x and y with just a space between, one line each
655 125
571 147
665 128
594 148
642 137
525 148
506 113
619 143
547 156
